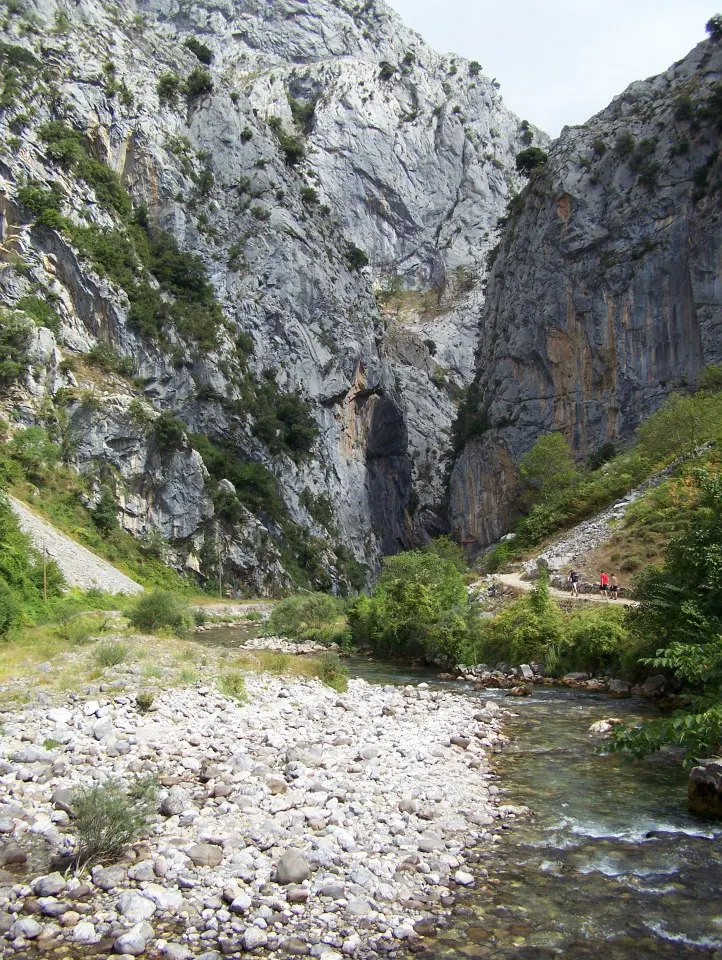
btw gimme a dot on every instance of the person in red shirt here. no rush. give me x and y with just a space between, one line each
604 584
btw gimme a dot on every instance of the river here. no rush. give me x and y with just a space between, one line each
609 863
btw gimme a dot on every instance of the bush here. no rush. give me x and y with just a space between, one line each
105 512
233 685
256 487
197 84
714 27
168 88
169 432
40 311
595 640
356 257
144 700
110 654
81 628
528 630
332 673
40 199
624 145
680 426
531 160
200 49
386 70
161 610
474 68
104 356
420 607
109 816
15 339
313 617
710 380
9 608
548 467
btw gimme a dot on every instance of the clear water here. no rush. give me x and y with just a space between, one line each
610 864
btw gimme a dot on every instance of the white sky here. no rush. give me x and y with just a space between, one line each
561 61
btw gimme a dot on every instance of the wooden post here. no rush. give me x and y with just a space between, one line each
45 573
220 565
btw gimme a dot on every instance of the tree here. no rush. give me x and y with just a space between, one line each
714 27
15 338
531 160
680 613
548 467
680 426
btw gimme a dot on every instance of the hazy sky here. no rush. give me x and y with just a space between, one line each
561 61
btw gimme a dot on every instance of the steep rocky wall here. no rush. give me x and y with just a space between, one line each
606 292
407 160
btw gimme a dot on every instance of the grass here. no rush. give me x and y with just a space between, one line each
111 654
233 685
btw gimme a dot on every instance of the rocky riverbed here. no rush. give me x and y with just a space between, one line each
303 822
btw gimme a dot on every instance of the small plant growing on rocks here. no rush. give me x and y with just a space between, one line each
110 654
332 673
144 700
109 816
234 686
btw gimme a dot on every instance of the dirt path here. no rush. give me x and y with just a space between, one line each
80 567
514 581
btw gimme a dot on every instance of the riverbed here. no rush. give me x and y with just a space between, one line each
610 860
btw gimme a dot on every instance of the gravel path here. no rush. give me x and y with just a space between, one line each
79 566
514 580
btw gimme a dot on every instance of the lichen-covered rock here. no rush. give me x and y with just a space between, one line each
704 793
605 294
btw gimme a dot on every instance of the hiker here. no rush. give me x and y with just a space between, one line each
614 588
604 584
574 581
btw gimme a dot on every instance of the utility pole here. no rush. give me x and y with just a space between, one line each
45 573
220 565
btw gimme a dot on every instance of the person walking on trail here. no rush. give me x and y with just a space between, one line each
614 588
604 584
574 582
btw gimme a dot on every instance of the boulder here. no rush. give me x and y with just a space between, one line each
293 867
205 854
135 940
704 790
619 688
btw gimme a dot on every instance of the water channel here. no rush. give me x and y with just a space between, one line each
610 863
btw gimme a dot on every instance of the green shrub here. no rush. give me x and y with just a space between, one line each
103 355
256 487
356 257
110 654
40 311
39 199
198 83
445 548
200 49
233 685
111 815
527 630
169 432
15 340
386 70
332 673
161 610
471 418
79 629
9 608
531 160
474 68
144 700
596 640
680 426
66 147
313 617
714 27
420 607
710 380
309 195
549 466
283 421
624 145
105 512
168 88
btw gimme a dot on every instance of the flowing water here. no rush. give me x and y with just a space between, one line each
609 864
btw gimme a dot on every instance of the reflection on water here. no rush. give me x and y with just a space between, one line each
610 864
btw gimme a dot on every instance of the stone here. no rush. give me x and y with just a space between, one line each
62 799
253 938
85 933
135 940
654 686
205 855
463 878
241 903
60 715
166 899
175 802
619 688
108 878
134 907
462 742
293 867
27 928
176 951
704 790
49 885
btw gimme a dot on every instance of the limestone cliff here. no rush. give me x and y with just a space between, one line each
606 290
212 198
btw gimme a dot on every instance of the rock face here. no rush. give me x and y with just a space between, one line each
605 294
319 136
